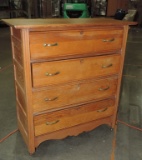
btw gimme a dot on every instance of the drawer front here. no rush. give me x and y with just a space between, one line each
50 122
60 72
66 43
82 92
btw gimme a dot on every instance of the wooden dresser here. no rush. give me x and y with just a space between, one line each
67 75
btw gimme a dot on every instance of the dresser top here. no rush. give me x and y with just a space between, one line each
63 23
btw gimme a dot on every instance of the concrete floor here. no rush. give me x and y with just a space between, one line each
98 144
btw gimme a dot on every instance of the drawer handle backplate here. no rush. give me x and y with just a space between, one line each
51 123
104 89
110 65
108 40
52 74
102 110
50 45
52 99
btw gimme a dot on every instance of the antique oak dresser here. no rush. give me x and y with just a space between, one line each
67 75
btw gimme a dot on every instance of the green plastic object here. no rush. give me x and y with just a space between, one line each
75 10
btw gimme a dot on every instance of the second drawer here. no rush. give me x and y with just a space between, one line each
60 72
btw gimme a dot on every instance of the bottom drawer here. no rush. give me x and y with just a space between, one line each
53 121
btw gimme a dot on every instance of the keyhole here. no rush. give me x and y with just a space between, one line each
82 61
81 32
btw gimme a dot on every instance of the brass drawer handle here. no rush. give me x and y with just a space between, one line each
51 123
52 74
110 65
102 110
104 89
52 99
108 40
50 45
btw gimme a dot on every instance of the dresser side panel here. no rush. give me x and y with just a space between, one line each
123 50
28 88
22 69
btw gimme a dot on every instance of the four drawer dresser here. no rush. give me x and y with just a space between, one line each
67 75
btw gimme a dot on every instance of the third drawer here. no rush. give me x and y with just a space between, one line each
72 94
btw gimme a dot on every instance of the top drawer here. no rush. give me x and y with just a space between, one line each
66 43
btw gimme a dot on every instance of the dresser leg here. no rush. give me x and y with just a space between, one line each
32 150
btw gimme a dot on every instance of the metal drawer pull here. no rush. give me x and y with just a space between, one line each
51 123
110 65
108 40
103 89
52 74
52 99
102 110
50 45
